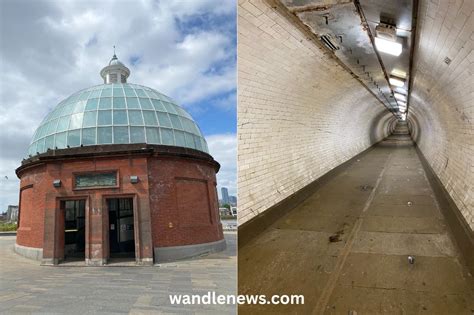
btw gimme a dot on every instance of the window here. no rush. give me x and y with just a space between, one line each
74 138
105 118
135 117
164 119
106 92
137 135
120 117
118 92
105 103
76 121
112 78
176 122
104 135
108 179
90 119
132 102
119 102
158 106
179 136
120 134
92 104
153 135
150 118
146 104
88 136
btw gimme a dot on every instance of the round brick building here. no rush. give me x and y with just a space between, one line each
118 170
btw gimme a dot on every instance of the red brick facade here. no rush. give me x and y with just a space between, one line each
175 199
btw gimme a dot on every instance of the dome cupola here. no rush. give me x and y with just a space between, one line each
117 112
115 72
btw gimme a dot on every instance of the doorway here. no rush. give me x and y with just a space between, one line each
121 227
74 228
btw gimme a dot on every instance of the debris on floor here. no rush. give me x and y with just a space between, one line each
366 187
336 237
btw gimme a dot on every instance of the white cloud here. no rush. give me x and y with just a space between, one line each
51 49
223 148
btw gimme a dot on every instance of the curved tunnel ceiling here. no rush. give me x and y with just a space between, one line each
348 28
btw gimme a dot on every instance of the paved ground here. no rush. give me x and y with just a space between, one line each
377 212
26 287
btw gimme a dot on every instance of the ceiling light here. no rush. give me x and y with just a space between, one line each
396 81
389 47
399 73
400 97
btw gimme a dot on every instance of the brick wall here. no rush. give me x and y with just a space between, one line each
168 215
30 231
183 201
40 226
441 102
300 114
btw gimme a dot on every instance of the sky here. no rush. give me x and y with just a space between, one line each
51 49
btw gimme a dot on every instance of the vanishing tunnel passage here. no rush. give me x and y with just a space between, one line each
346 246
355 152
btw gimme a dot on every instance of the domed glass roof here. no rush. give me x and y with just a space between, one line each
117 113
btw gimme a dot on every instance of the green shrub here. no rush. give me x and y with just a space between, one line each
4 227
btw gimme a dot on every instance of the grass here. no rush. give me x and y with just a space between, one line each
4 227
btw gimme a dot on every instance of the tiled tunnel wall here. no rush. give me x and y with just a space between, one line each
441 108
300 113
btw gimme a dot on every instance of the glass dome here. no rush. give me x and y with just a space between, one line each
117 114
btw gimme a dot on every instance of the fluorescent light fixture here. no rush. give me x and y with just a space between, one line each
396 81
399 73
400 97
387 46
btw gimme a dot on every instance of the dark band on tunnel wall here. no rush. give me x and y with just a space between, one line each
463 235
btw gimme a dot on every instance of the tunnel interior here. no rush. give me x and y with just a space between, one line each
331 148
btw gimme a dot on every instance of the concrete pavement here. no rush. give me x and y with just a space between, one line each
27 288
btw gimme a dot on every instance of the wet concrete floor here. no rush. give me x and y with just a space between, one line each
346 247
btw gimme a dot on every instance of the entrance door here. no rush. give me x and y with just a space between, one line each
74 228
121 229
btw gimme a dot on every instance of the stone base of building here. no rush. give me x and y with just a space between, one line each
96 262
173 253
145 262
29 252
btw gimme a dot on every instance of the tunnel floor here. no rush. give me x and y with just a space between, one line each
346 247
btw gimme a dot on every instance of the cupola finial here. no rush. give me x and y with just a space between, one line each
115 72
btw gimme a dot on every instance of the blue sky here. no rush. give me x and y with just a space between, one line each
184 49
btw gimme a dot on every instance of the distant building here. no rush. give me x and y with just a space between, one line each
233 200
224 211
225 195
12 213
